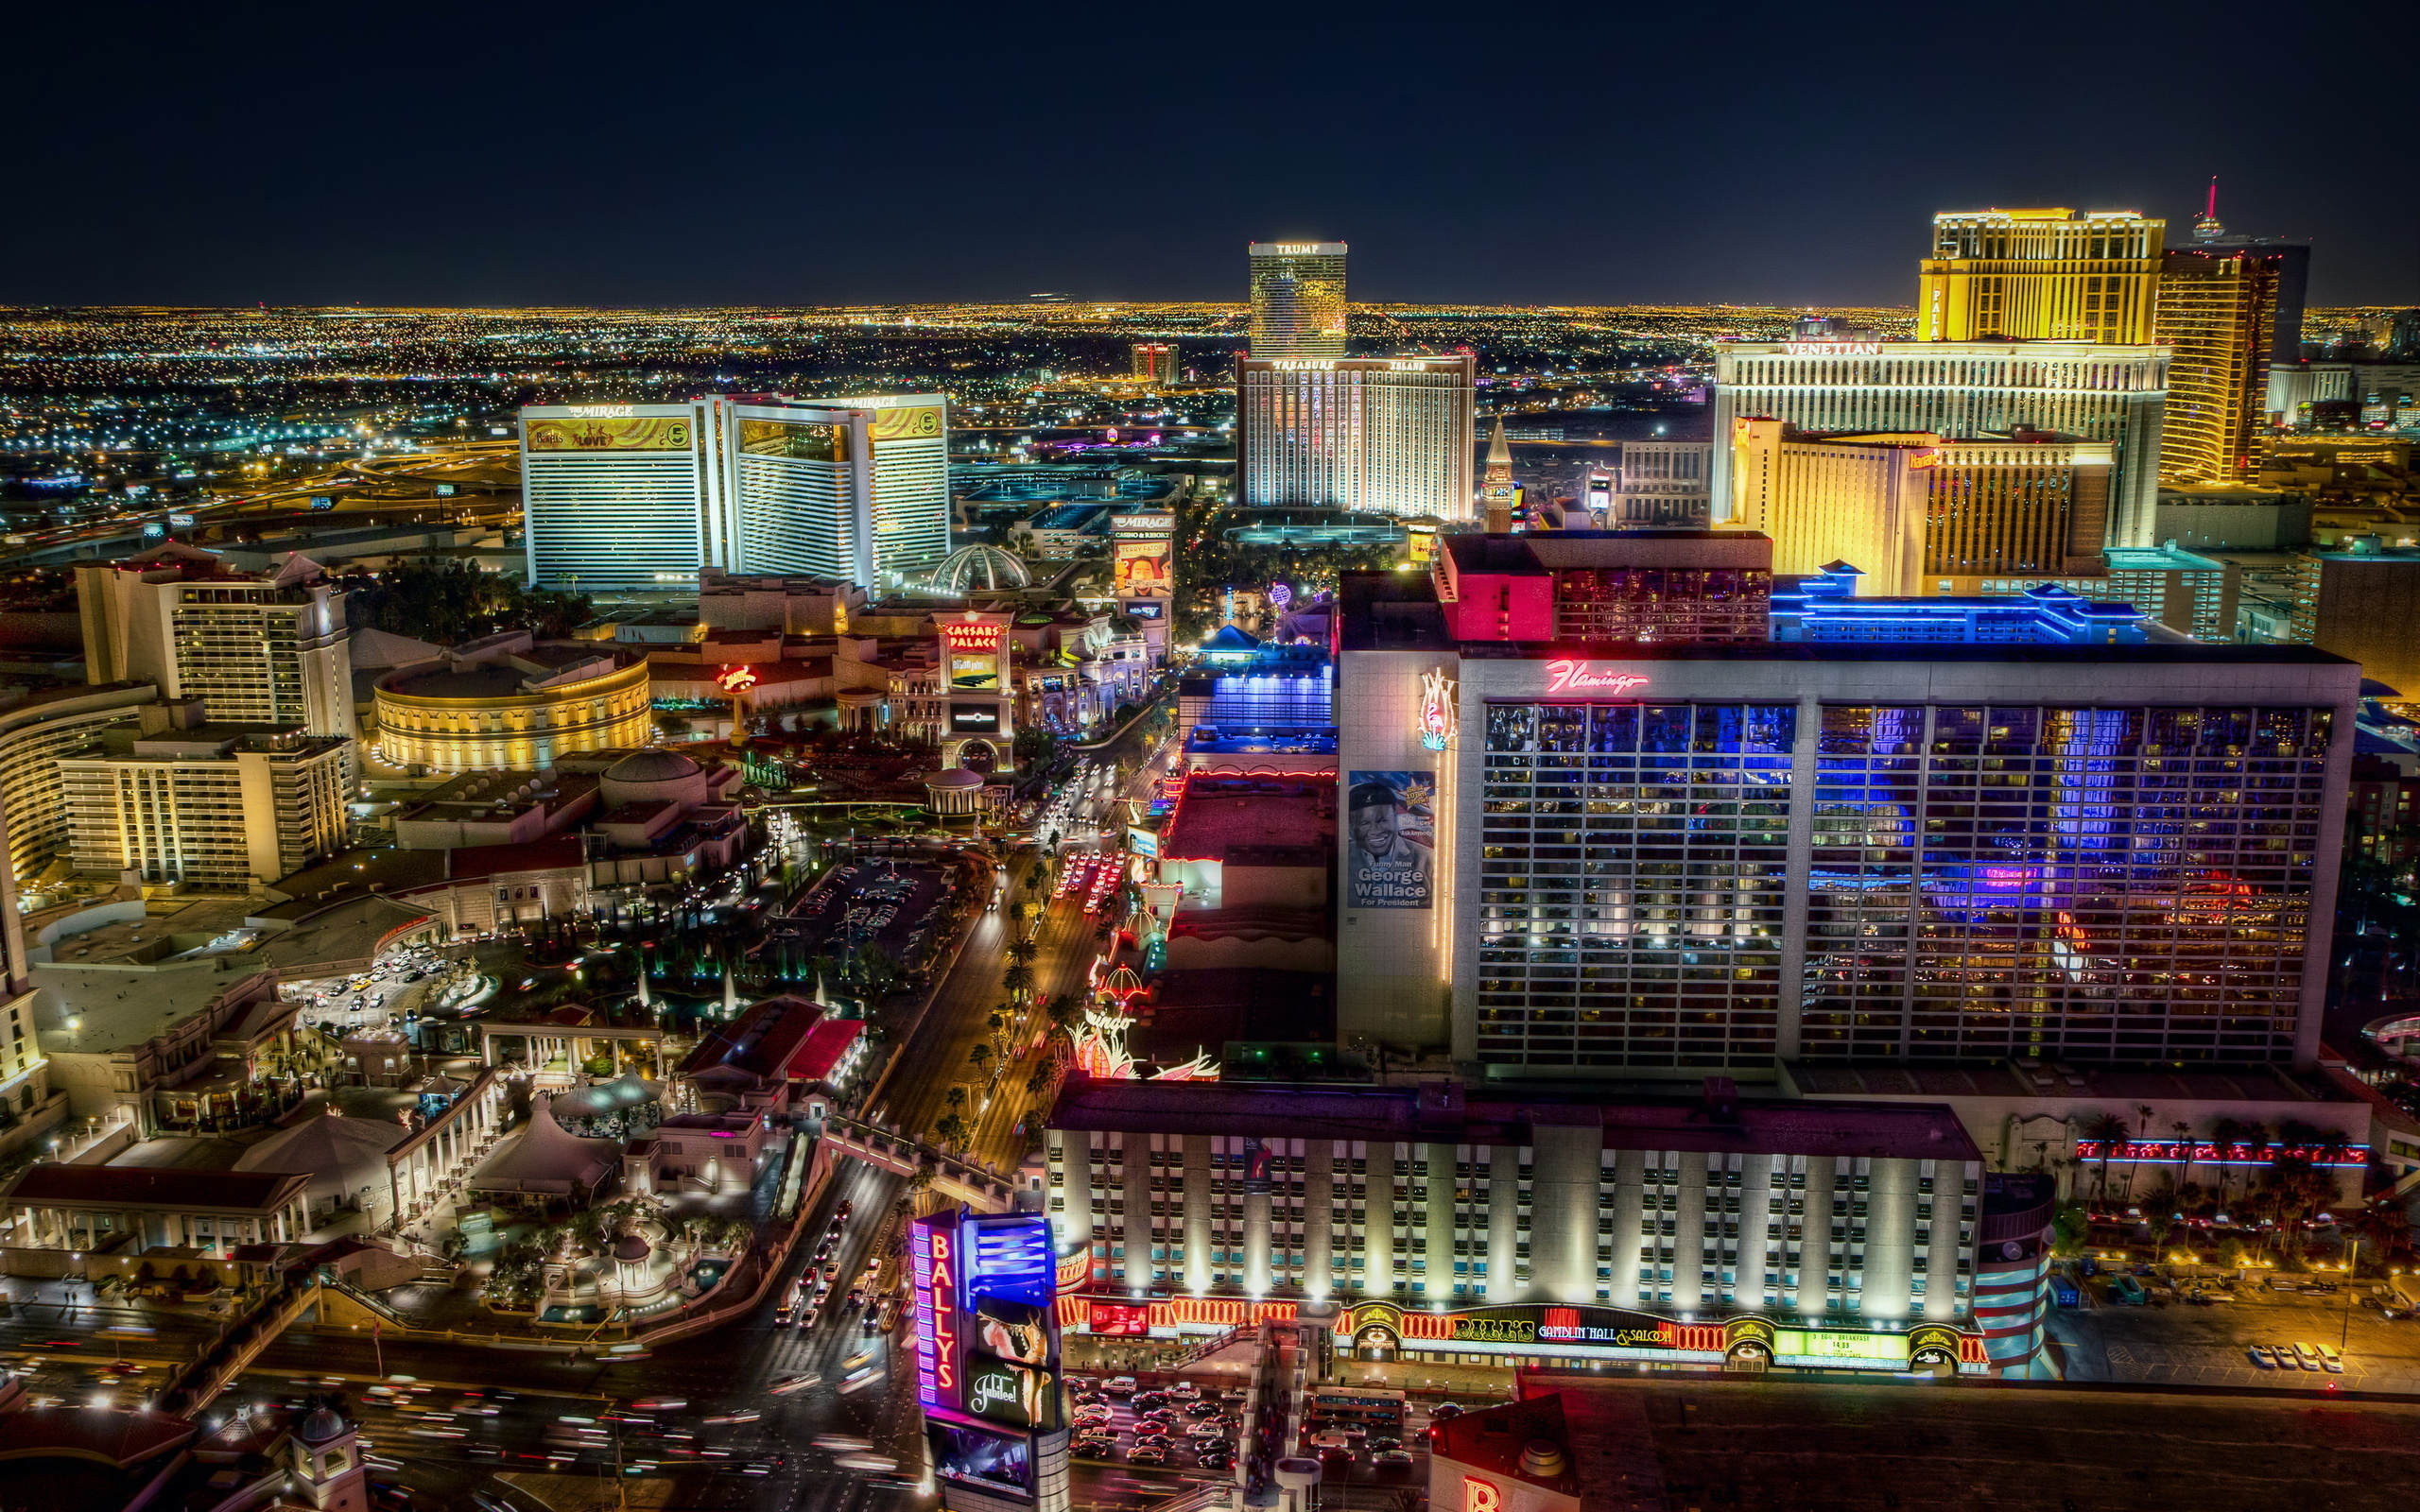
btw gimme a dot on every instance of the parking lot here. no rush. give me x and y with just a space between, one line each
1173 1425
2179 1345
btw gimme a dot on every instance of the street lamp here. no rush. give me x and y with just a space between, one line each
2351 1258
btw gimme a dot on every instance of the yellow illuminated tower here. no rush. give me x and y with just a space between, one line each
1496 490
2040 275
2218 311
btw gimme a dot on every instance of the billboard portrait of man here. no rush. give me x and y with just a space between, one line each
1391 839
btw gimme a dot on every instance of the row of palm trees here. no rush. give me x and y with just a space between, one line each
2237 1144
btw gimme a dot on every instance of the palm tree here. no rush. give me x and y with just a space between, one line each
1018 979
1023 952
955 1097
2109 1131
980 1057
2225 1134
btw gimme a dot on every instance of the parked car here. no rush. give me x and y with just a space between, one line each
2290 1357
2261 1357
2331 1359
2307 1356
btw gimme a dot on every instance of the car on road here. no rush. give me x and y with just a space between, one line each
1442 1411
865 1460
1120 1385
1144 1400
745 1415
856 1381
1203 1409
1386 1459
659 1404
1148 1429
788 1384
1213 1427
1148 1454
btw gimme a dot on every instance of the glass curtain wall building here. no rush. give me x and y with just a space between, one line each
642 496
1298 307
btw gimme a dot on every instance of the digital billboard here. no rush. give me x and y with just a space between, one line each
1009 1256
906 424
1012 1392
1141 568
642 432
983 1458
794 439
974 719
1391 840
975 673
1131 1320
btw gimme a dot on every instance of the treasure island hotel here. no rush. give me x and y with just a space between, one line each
641 496
1318 428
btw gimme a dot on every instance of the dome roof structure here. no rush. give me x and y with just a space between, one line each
652 776
956 777
651 766
631 1249
978 569
322 1425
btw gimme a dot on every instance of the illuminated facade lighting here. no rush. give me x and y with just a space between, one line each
2040 275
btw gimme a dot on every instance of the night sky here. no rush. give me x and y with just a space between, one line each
619 153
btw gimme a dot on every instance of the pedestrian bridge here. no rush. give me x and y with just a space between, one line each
977 1185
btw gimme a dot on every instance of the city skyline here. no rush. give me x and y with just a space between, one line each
1676 162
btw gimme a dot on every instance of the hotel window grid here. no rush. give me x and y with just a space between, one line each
1632 863
1702 604
2122 883
1673 1230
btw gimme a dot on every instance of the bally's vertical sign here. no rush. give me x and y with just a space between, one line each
933 1278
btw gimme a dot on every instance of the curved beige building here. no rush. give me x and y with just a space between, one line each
521 710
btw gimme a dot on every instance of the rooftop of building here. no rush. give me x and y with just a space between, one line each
1660 1443
760 1042
1445 1113
2170 558
1397 612
111 1005
1499 1440
529 671
2369 549
211 740
1554 551
174 1187
1219 813
2127 1084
